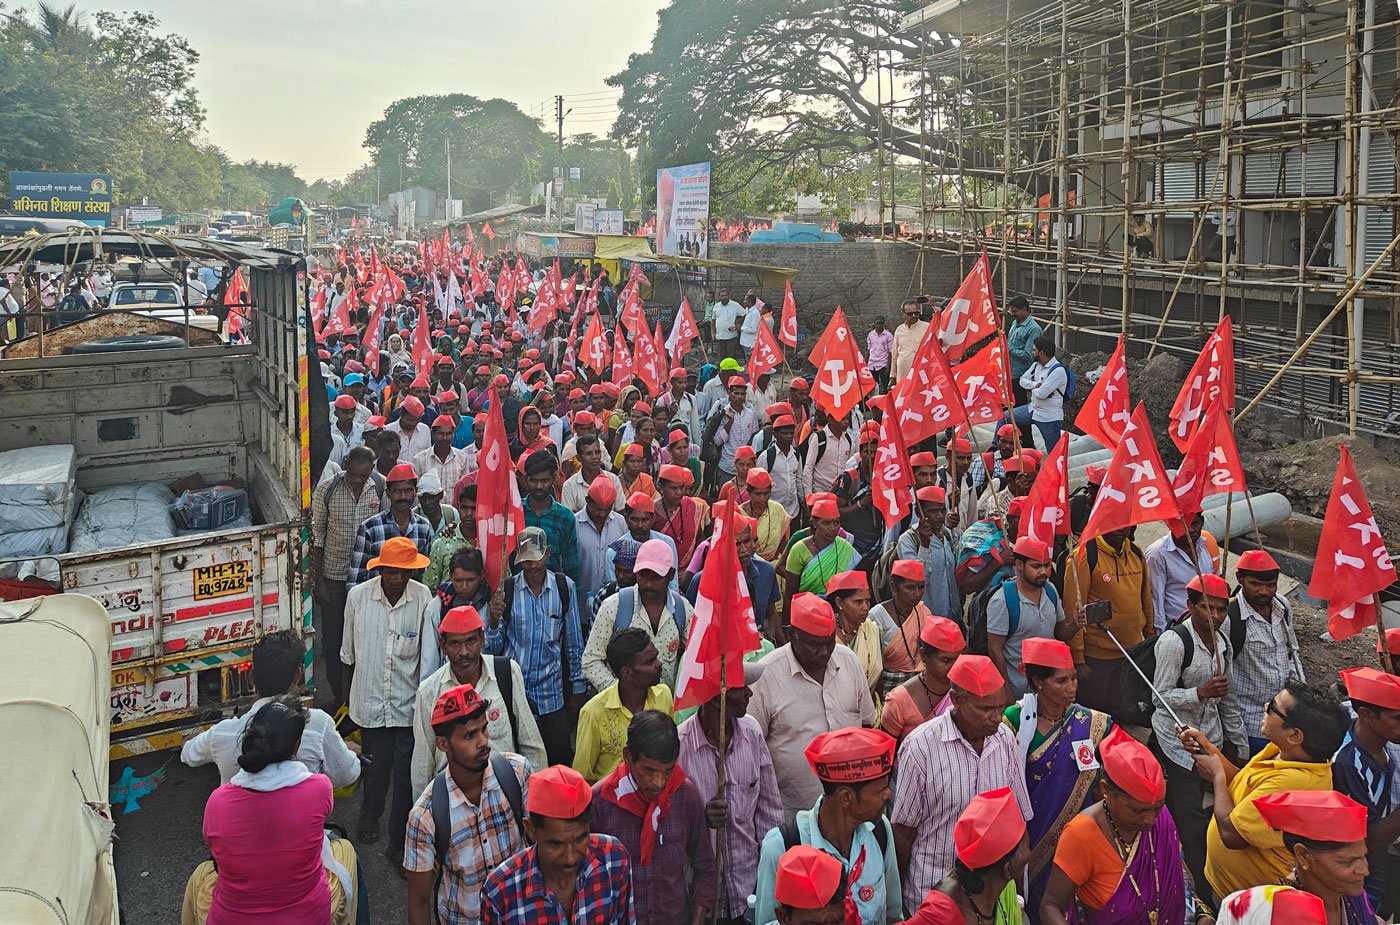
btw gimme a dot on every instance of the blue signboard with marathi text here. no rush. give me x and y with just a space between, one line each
83 197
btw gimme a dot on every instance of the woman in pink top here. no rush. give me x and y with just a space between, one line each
265 827
928 693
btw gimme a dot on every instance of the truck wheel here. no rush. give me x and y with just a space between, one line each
133 342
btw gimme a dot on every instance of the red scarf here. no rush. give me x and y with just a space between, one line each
620 790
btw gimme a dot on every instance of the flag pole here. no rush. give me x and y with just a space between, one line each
719 783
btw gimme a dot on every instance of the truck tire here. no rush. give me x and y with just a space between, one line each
133 342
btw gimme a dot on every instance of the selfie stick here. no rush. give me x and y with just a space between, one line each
1145 679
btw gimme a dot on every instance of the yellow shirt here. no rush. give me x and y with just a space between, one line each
602 730
1265 860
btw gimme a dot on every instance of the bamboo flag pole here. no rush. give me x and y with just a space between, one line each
719 784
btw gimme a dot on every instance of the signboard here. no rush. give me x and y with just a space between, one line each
586 217
548 245
454 209
683 210
139 215
608 221
83 197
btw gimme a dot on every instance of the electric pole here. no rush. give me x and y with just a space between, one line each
447 143
559 115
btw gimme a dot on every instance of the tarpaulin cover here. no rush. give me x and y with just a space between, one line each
35 484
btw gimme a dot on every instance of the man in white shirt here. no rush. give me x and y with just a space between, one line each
727 314
390 648
590 456
1045 383
345 433
753 317
785 466
828 449
685 409
414 436
442 457
277 667
906 340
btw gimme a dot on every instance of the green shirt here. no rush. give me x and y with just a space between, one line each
440 554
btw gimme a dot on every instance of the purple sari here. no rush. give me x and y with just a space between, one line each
1058 790
1153 882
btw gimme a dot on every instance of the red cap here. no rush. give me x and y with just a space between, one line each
1372 686
445 361
444 420
1298 907
1035 550
558 792
848 581
671 472
464 329
676 436
933 494
851 755
678 372
777 408
783 420
635 450
403 472
577 393
826 509
421 382
807 878
962 445
1095 474
483 370
943 634
977 675
1212 585
1046 653
640 501
1032 454
602 490
1014 506
1132 767
456 702
990 827
413 406
375 422
869 432
643 407
758 478
323 354
346 402
908 569
799 383
501 380
1392 641
460 620
812 614
745 452
923 459
447 396
1021 463
1006 430
1256 560
1317 815
583 417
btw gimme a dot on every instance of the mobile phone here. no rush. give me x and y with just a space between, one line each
1097 612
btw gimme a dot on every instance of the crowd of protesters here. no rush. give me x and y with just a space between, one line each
931 730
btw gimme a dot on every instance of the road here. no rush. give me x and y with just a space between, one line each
159 845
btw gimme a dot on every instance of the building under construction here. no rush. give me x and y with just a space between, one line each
1145 167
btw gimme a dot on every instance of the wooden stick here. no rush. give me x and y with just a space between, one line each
719 788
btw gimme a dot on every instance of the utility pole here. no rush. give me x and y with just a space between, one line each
559 115
447 143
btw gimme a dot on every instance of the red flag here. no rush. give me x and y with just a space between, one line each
648 363
837 386
1211 381
891 476
1352 563
422 341
1046 513
767 354
1210 466
499 514
486 230
787 327
595 346
318 307
1105 412
723 623
1135 489
981 381
621 359
926 400
373 331
683 333
340 322
971 314
634 316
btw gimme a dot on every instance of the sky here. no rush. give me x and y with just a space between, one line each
299 81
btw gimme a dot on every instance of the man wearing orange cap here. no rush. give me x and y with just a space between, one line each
576 488
599 525
478 796
680 404
414 436
809 888
568 875
390 647
1262 640
497 679
848 822
399 520
809 686
930 542
442 458
1025 608
1019 476
968 750
1364 767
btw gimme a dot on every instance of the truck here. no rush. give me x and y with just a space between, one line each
184 610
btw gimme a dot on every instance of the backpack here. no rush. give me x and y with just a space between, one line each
562 585
818 436
884 566
1071 384
1135 697
792 838
500 664
442 813
709 445
627 604
977 614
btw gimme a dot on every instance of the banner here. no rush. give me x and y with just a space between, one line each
81 197
609 221
586 217
683 211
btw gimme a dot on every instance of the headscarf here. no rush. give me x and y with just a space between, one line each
707 372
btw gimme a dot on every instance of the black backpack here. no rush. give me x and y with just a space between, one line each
508 591
792 838
1136 703
442 812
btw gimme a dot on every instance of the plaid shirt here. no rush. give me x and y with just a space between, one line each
372 534
336 516
515 892
482 837
561 527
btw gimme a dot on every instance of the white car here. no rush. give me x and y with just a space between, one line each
159 300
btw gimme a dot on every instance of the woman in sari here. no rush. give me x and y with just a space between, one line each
528 436
928 693
901 620
1051 728
989 841
737 488
772 521
1325 831
813 560
1119 861
849 596
398 353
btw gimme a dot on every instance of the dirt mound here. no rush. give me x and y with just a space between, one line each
1304 472
1154 382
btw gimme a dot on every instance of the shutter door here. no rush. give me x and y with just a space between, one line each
1380 180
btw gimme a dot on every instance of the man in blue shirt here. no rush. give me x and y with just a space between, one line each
1364 770
1020 344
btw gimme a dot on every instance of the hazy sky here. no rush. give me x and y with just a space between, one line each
298 81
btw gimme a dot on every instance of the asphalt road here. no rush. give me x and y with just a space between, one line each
159 845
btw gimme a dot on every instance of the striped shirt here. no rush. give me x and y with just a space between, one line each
336 515
515 892
532 632
937 751
394 648
1268 657
449 470
372 534
482 837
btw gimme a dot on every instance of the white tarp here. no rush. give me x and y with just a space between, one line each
35 482
123 515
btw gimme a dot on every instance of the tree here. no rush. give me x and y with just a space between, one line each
606 169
